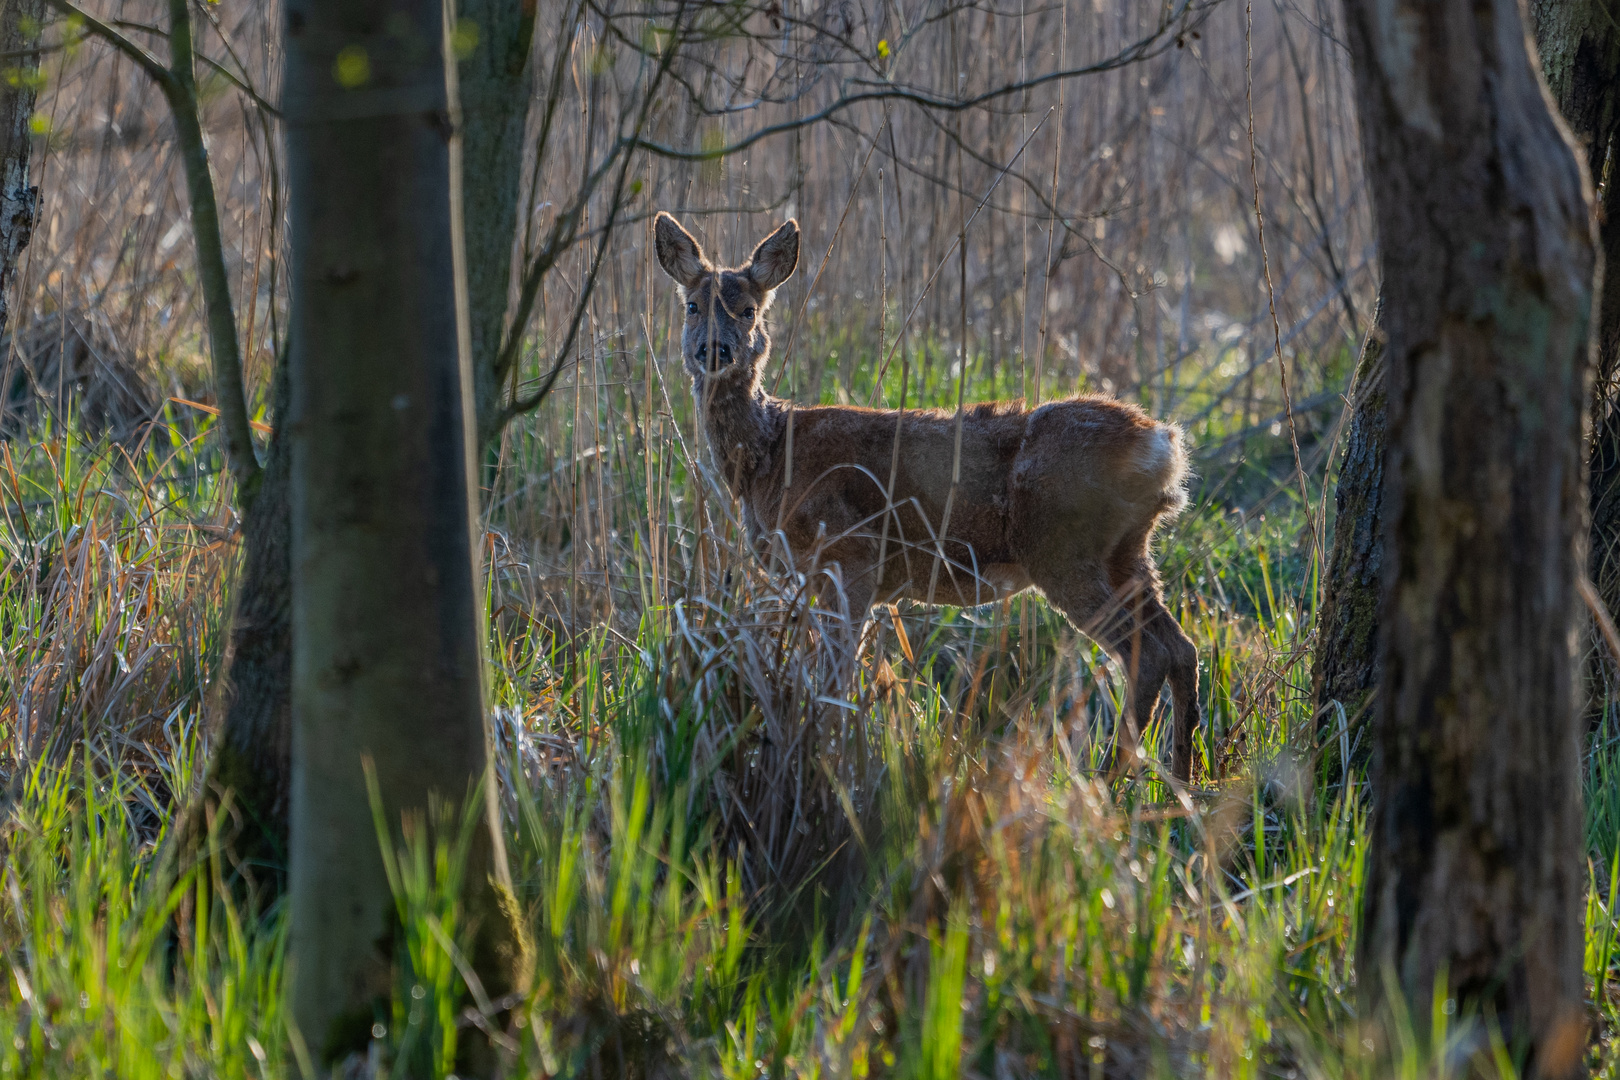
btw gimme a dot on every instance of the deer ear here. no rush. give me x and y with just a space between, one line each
679 253
776 257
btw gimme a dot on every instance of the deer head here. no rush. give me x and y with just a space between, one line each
725 337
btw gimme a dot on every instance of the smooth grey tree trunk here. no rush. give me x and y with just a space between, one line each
252 759
496 84
1474 866
387 659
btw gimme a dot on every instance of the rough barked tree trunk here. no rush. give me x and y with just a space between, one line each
19 200
1579 43
1346 663
387 660
496 83
1474 869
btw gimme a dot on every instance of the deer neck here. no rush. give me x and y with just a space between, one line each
743 424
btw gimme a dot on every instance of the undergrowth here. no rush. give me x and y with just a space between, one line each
740 855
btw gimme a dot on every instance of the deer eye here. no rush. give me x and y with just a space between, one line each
748 313
691 308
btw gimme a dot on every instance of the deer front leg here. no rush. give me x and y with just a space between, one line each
1166 653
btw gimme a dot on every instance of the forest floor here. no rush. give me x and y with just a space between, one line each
734 860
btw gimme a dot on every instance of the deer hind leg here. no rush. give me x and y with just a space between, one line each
1126 616
1173 657
1131 636
1184 694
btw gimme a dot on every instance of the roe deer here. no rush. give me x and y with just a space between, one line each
930 506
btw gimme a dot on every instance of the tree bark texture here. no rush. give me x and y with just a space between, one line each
1578 42
1474 868
1346 663
1579 45
387 658
19 199
496 82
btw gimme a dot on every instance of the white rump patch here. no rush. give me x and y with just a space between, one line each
1162 456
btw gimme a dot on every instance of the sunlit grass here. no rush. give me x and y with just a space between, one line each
739 853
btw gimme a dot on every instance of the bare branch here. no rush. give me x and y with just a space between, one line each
524 405
145 60
238 81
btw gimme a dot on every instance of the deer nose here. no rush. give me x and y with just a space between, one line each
723 351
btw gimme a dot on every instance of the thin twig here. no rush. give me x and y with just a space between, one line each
1154 44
